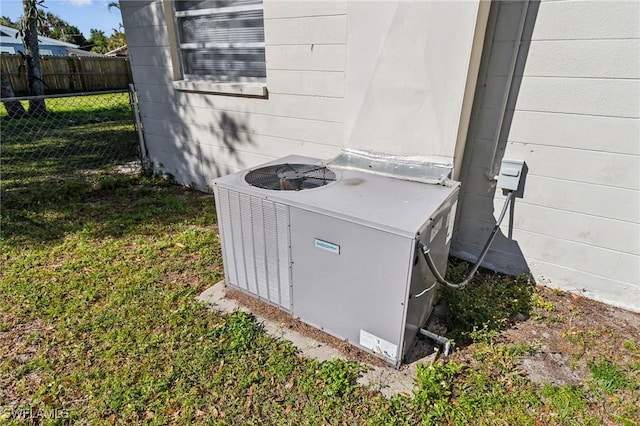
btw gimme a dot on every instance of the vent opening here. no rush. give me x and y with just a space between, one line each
290 177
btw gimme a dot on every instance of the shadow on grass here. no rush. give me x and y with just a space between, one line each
75 137
67 151
59 176
99 206
491 303
56 167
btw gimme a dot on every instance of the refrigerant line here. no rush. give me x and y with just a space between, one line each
458 286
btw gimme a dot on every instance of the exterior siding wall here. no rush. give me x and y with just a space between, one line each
198 137
572 116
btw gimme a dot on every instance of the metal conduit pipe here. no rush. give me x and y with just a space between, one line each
491 173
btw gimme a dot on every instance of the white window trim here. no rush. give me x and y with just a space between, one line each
235 88
219 11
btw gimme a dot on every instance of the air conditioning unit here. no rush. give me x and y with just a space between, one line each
336 246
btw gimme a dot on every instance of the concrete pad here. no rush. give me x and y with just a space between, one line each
386 380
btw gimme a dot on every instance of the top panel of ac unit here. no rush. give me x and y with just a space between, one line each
398 206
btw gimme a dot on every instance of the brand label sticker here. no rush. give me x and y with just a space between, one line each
325 245
378 345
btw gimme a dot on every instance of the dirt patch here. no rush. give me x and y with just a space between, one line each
552 368
19 343
571 331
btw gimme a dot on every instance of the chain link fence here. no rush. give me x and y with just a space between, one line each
73 135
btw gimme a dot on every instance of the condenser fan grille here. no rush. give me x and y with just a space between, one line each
290 177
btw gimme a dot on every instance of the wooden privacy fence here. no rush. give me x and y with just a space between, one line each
66 74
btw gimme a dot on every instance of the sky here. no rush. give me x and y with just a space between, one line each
84 14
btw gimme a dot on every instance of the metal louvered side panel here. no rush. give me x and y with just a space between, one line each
257 222
247 243
226 230
284 255
256 246
271 242
236 236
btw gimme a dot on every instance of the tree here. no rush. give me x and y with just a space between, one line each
51 25
116 40
29 33
69 34
14 108
7 22
49 22
98 41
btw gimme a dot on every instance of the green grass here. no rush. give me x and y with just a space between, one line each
77 135
98 317
487 304
607 376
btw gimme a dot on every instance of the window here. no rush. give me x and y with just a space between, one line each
219 45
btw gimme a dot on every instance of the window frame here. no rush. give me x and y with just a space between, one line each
181 82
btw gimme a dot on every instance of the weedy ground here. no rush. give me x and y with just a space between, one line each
98 318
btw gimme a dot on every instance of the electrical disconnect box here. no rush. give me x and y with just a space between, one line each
510 174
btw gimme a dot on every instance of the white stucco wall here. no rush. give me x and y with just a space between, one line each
407 65
573 118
